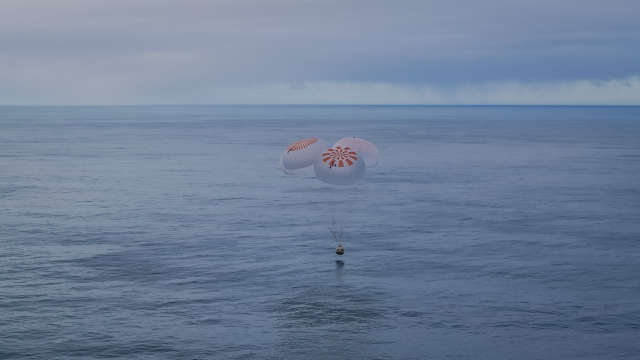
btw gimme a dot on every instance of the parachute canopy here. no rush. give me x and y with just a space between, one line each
342 164
299 157
361 146
339 166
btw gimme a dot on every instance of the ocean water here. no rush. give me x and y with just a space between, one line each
171 233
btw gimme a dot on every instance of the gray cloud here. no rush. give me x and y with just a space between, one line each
614 92
78 51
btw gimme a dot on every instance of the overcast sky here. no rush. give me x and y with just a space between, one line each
319 52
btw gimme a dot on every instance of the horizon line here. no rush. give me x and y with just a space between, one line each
309 105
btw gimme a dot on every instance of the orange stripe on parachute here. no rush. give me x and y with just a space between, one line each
298 145
339 156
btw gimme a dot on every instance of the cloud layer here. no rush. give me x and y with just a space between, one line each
318 51
615 92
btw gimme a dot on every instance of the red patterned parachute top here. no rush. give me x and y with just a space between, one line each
338 156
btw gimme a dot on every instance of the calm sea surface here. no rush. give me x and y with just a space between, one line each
171 232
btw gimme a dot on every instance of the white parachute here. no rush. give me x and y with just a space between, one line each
341 166
363 148
299 157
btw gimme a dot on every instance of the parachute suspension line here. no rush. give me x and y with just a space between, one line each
340 202
333 226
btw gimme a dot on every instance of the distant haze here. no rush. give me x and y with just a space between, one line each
319 52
